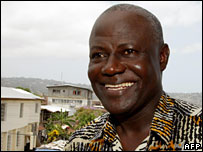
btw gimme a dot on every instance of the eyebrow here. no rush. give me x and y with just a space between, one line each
97 47
125 44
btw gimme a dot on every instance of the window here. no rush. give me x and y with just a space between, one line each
21 110
9 143
3 111
76 92
56 100
18 139
63 90
53 100
56 91
36 107
78 101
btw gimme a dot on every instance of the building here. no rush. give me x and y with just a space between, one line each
20 116
69 96
96 103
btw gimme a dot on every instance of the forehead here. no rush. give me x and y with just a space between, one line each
121 26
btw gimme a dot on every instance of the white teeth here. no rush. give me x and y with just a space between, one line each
119 86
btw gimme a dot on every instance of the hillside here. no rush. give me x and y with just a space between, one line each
195 98
35 85
38 86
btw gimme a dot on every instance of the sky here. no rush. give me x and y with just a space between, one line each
49 40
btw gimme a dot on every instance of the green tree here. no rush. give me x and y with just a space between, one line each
28 90
54 126
78 120
25 89
61 118
83 116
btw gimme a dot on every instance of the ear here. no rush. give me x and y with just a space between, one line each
164 55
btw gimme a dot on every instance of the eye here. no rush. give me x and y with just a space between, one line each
129 51
98 55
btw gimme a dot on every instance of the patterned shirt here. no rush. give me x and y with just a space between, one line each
176 125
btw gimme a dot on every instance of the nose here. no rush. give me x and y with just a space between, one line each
113 66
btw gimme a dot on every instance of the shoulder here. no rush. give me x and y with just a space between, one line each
187 109
187 122
89 132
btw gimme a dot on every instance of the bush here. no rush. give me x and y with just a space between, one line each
54 126
83 116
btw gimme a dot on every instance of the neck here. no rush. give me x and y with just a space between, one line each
134 127
138 121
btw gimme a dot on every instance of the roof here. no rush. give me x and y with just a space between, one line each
13 93
70 85
54 108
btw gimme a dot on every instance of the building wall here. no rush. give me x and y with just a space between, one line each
13 124
17 142
67 102
69 97
68 91
13 120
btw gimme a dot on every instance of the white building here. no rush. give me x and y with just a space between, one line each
69 96
20 116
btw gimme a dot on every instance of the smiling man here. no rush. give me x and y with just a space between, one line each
127 58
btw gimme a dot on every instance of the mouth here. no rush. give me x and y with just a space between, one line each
118 87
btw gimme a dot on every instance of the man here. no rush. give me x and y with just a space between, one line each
127 58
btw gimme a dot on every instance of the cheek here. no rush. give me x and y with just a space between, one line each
140 68
145 71
93 71
90 73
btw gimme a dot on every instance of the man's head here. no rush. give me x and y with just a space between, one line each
127 57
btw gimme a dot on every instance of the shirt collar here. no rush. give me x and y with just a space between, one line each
109 130
162 122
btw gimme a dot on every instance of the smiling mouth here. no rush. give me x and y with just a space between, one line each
121 86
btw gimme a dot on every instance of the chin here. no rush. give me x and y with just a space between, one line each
119 108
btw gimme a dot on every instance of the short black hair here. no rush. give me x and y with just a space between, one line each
157 34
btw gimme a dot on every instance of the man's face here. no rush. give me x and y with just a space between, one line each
124 67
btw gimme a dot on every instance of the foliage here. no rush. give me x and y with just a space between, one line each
25 89
78 120
53 135
57 133
61 118
83 116
54 126
28 90
49 125
37 94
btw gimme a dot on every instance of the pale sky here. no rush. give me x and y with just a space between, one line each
49 40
